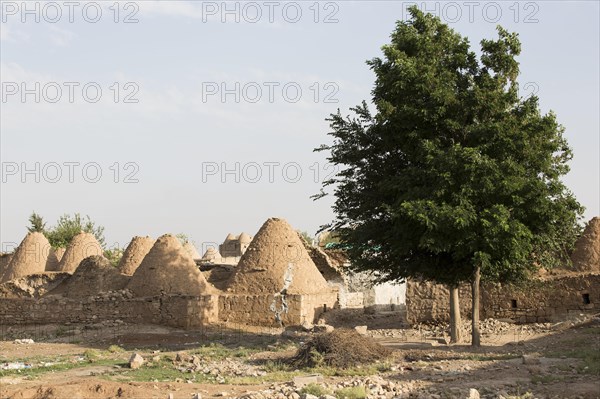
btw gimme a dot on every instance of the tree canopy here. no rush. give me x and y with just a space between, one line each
454 172
67 227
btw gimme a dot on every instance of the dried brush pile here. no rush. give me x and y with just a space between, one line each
340 348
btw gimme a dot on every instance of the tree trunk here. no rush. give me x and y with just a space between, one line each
475 335
455 321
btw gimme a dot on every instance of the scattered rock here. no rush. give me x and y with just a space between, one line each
135 361
303 380
473 393
362 330
24 341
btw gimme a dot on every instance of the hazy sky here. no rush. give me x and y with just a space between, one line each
201 117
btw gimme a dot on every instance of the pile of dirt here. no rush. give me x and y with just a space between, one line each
81 246
168 269
94 275
340 348
30 257
135 252
32 286
191 249
277 262
586 256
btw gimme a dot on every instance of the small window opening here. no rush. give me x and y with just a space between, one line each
513 303
324 308
586 299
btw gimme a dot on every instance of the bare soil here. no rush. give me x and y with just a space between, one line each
561 361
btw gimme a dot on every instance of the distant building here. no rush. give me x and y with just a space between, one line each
234 247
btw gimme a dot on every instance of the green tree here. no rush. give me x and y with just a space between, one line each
114 255
183 238
455 177
69 226
36 223
306 237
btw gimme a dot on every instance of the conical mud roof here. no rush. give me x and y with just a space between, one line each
191 249
30 257
135 252
277 262
586 256
168 269
212 255
53 260
60 252
4 262
81 246
94 275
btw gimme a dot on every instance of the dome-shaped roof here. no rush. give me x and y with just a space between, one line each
244 238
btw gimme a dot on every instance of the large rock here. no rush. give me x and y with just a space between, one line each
136 361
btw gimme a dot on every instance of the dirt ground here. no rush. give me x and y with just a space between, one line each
553 361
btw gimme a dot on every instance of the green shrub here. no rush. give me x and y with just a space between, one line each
315 389
359 392
115 349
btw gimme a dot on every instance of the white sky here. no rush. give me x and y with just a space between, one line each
176 58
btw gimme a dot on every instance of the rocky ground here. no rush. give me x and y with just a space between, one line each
560 360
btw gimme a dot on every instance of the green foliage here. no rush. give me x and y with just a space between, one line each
183 238
115 349
315 389
358 392
66 228
329 239
114 255
91 355
454 171
37 223
306 237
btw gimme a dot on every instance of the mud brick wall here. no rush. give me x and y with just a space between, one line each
274 310
543 301
427 302
313 306
539 301
176 311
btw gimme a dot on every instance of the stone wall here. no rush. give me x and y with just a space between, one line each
539 301
175 311
274 310
426 301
